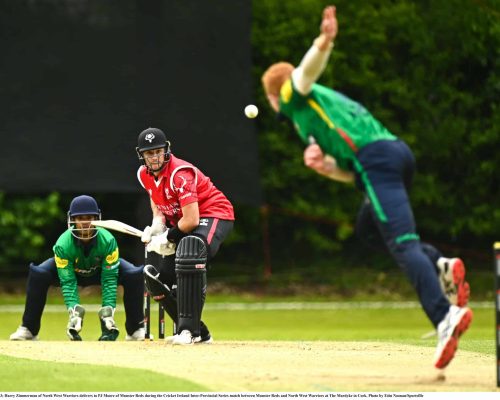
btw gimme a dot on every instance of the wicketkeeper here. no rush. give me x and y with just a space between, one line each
199 217
83 256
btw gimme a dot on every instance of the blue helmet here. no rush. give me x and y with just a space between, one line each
83 205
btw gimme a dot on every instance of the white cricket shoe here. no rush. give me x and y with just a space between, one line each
183 338
138 335
449 330
452 280
23 333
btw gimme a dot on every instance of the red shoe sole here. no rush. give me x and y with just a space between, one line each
463 288
450 348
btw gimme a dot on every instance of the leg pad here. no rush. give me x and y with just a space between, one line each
190 269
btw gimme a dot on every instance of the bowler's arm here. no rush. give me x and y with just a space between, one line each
314 62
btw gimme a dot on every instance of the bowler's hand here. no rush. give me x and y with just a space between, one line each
314 157
329 25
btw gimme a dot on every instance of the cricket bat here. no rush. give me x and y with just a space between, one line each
118 226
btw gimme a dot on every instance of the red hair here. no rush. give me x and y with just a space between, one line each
275 76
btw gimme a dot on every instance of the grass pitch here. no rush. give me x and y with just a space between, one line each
289 328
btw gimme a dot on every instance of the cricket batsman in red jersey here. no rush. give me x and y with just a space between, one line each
191 219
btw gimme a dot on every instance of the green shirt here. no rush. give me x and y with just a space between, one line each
74 260
339 125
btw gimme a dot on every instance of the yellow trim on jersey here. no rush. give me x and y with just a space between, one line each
286 91
113 257
316 107
61 262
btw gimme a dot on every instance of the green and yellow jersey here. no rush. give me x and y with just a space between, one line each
339 125
75 259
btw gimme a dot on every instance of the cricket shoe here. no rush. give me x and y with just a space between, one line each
139 335
452 280
183 338
23 333
449 330
186 338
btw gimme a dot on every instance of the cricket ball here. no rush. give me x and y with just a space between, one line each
251 111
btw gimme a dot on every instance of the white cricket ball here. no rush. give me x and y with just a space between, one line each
251 111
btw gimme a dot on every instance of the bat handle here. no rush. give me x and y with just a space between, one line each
311 139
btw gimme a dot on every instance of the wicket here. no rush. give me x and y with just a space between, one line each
496 264
147 312
147 318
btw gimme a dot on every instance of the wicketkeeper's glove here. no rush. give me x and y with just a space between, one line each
157 227
108 326
161 245
75 322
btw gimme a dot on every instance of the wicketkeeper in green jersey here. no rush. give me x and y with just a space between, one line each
85 255
346 143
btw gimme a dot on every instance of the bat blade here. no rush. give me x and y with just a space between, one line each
118 226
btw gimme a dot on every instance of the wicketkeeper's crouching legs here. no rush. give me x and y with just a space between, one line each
40 278
132 280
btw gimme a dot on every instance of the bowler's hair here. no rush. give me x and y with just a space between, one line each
275 76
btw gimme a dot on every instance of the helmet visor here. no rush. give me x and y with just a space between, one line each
81 227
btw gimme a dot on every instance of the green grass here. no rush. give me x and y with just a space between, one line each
404 326
392 325
70 377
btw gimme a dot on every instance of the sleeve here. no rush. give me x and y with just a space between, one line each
185 186
310 68
109 274
67 277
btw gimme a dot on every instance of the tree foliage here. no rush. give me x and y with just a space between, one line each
24 225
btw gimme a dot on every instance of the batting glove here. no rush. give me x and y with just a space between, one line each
161 245
75 322
157 227
108 326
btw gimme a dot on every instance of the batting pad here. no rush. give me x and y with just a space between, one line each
190 269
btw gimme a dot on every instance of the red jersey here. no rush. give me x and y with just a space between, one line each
181 183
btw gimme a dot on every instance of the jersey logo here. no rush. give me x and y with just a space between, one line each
167 194
113 257
181 189
149 137
61 262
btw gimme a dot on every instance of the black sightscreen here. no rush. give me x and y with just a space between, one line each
81 78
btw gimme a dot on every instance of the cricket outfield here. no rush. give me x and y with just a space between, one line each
287 347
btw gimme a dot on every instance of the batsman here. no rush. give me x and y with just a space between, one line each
191 219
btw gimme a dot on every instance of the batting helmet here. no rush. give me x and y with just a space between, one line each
83 205
151 139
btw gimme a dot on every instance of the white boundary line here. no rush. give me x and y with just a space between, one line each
336 305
